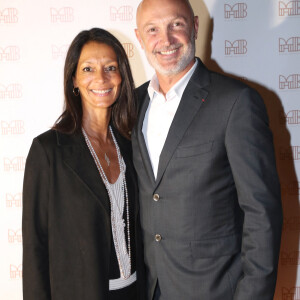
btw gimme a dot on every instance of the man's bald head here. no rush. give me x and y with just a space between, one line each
144 4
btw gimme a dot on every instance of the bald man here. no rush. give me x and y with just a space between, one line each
209 192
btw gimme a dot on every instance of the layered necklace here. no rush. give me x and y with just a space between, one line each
125 261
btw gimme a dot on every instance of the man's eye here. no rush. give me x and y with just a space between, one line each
151 30
87 69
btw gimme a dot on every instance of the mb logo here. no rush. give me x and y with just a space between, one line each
123 13
128 47
291 8
64 14
291 294
14 236
290 45
291 82
289 153
15 164
237 47
10 53
290 258
236 11
59 51
9 15
292 117
13 90
13 200
12 127
15 271
290 188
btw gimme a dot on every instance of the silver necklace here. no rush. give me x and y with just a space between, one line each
124 273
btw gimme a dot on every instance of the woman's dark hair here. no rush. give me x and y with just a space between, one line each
123 110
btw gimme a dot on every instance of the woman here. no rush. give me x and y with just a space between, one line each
80 232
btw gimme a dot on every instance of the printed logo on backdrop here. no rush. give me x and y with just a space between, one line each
236 11
291 82
15 164
290 258
291 293
14 127
8 15
11 91
9 53
292 117
290 45
122 13
291 223
59 51
289 153
15 236
128 47
15 271
62 15
13 200
289 8
235 48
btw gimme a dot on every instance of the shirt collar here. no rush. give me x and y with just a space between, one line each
177 89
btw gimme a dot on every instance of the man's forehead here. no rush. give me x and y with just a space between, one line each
150 10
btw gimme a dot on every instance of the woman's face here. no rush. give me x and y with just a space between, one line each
97 76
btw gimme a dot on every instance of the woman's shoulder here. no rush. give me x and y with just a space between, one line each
46 138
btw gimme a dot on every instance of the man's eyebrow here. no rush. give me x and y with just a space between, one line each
171 20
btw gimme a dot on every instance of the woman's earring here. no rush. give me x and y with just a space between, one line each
76 91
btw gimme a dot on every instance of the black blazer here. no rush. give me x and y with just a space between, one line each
66 220
219 211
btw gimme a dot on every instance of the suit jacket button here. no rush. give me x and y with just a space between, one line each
155 197
158 237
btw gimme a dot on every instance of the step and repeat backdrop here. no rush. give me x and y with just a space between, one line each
256 41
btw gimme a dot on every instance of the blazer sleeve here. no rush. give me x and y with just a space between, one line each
249 146
36 282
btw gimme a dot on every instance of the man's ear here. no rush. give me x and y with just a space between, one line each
137 34
196 26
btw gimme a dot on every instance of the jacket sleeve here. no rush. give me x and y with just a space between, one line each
250 151
36 281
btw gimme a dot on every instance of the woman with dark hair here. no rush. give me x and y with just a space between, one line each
81 238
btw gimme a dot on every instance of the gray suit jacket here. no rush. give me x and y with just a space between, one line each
219 210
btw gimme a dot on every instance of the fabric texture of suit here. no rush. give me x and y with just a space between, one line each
219 209
67 239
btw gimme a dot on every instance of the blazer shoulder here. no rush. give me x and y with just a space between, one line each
47 138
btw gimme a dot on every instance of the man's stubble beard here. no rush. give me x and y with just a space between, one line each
183 62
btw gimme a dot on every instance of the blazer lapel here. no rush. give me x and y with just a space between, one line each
141 139
77 157
193 97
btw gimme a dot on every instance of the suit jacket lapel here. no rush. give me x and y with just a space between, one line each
77 157
141 139
192 99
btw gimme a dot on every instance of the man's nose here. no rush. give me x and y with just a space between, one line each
166 37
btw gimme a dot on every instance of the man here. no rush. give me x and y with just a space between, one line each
209 191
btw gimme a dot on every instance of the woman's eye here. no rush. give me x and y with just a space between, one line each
87 69
110 69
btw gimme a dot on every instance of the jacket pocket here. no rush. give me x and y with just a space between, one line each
228 245
194 150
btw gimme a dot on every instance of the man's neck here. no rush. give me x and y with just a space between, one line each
166 82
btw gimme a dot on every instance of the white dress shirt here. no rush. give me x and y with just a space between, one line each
160 114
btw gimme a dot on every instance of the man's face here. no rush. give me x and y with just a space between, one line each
167 31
